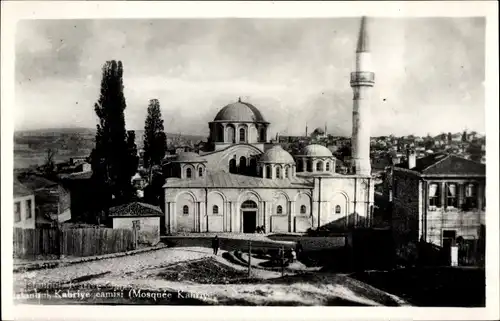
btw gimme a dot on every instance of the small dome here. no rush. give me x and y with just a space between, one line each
188 157
277 155
316 151
239 111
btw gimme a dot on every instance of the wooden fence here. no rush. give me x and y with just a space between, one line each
78 242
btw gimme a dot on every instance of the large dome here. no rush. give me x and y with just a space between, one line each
277 155
316 151
239 111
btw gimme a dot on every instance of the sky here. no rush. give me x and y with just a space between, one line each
429 72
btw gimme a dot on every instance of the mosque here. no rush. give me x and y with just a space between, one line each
245 182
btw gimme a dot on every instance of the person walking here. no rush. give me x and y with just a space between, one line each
298 249
215 244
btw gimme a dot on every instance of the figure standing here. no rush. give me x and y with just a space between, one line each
215 244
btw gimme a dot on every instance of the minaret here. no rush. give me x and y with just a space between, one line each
362 81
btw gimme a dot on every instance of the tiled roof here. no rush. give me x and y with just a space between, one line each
20 190
35 182
445 164
135 209
227 180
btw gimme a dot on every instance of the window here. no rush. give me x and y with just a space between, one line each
249 204
337 209
470 196
17 211
188 173
215 209
185 210
243 164
242 134
279 210
200 172
319 166
232 166
286 171
278 172
434 195
302 209
309 166
230 134
451 195
28 209
327 166
262 134
268 172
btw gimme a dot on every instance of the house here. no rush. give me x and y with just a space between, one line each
52 199
83 193
438 199
144 217
24 206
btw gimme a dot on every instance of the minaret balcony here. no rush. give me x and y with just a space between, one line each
360 78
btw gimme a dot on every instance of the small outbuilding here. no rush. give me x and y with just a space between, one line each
144 217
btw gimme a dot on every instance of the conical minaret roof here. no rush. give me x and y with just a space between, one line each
363 39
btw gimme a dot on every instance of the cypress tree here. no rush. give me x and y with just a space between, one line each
155 139
111 161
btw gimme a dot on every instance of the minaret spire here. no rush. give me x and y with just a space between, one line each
363 39
362 81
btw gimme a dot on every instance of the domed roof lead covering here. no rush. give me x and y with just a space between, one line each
277 155
188 157
316 151
239 112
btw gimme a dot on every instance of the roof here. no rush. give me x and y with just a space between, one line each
35 182
277 155
20 190
363 39
315 150
78 175
446 164
227 180
239 111
188 157
135 209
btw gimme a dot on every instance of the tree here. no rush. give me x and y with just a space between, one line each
464 136
49 167
132 152
449 137
110 159
155 140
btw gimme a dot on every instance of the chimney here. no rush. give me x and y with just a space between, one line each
411 157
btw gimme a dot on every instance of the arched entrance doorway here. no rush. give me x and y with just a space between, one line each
249 214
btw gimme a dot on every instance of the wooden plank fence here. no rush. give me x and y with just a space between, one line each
78 242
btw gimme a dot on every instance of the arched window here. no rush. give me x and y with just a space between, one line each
327 166
268 171
302 209
188 173
230 134
220 133
215 209
185 210
232 166
287 171
319 166
262 134
279 209
310 165
278 172
200 172
243 164
242 135
337 209
248 204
